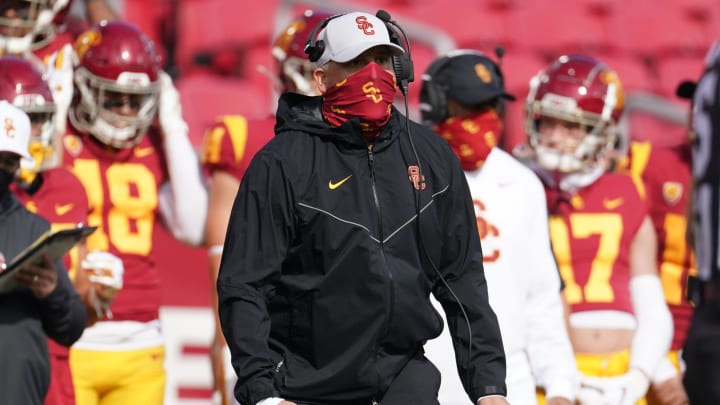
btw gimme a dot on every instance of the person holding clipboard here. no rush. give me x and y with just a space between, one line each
43 302
54 193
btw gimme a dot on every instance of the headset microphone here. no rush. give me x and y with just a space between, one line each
499 52
403 64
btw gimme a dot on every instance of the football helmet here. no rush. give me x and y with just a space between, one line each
118 81
23 21
293 67
23 86
579 90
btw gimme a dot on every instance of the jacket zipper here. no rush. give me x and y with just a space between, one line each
391 309
381 237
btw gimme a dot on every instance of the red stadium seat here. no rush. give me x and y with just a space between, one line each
652 30
207 26
634 73
646 127
518 68
470 23
563 27
205 96
673 70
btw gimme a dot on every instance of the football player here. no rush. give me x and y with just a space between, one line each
228 147
663 176
34 29
137 176
58 196
602 235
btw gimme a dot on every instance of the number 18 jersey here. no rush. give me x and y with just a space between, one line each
122 189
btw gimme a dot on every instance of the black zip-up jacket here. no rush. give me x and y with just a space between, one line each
25 321
324 282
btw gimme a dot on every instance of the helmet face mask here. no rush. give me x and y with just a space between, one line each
21 21
571 114
118 84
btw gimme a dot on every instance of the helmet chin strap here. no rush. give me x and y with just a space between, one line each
16 45
574 181
120 138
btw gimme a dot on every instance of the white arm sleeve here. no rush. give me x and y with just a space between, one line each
548 345
183 200
653 334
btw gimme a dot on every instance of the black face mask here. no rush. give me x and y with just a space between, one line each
5 179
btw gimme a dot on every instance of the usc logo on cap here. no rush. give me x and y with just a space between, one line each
483 73
9 128
365 26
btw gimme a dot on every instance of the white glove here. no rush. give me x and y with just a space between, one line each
664 371
60 80
170 110
104 268
625 389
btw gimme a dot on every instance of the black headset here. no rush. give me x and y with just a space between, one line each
433 95
402 65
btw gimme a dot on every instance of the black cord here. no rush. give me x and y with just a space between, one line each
422 243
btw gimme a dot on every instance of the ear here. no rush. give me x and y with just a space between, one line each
320 77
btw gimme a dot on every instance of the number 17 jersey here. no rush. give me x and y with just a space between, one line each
591 235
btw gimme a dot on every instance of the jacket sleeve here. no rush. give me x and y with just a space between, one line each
258 235
475 333
548 345
63 312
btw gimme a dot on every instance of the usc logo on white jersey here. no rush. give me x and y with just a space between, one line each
486 230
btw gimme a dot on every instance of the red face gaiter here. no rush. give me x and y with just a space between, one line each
367 94
471 137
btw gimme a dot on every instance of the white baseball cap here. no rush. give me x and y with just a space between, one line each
351 34
14 130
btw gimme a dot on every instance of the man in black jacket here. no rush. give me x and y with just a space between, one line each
42 302
344 223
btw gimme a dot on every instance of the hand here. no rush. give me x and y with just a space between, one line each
41 278
217 360
287 403
60 80
170 110
494 400
669 392
624 389
105 272
558 401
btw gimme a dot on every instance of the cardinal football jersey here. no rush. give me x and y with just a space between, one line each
122 191
591 235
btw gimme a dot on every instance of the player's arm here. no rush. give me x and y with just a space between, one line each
223 188
653 334
183 201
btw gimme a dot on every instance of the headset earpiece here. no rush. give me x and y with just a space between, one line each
433 97
314 48
433 101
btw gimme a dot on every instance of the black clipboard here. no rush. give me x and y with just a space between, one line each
54 243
